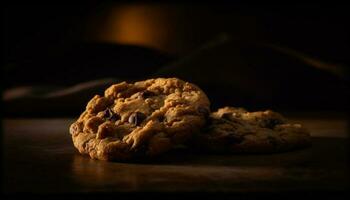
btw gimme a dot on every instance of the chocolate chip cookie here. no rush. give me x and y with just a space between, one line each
140 119
235 130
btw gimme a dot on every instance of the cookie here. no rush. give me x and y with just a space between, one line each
141 119
235 130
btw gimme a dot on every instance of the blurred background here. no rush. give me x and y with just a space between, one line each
291 58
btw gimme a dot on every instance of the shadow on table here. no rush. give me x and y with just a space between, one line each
324 165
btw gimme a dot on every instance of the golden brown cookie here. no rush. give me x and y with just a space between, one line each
235 130
140 119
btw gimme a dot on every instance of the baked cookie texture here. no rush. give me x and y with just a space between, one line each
235 130
141 119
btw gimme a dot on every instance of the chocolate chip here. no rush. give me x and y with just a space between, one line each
161 118
146 94
107 113
114 117
226 115
110 115
203 111
136 118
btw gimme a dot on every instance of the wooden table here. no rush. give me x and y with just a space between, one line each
39 158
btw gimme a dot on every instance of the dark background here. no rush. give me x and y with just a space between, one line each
235 52
290 58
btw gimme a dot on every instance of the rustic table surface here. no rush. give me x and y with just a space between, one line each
39 158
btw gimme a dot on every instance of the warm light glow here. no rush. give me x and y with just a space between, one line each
141 25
